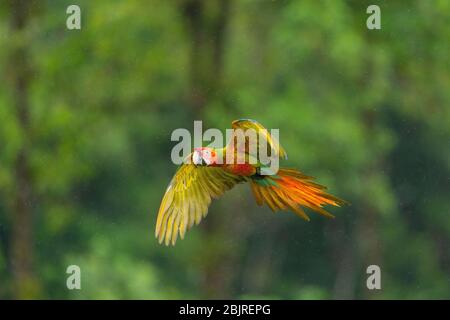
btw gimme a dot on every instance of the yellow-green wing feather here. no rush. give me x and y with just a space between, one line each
245 124
188 197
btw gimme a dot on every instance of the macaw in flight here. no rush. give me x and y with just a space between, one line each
202 178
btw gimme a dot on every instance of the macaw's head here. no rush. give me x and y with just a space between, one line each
204 156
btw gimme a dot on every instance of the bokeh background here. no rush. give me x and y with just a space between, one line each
85 124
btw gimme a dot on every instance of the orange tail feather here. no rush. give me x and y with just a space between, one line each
292 190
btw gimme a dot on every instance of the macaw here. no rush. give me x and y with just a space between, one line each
202 178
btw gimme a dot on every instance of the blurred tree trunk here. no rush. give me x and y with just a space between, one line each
342 240
24 284
206 23
362 247
368 226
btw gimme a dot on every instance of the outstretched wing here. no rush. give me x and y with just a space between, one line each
267 138
187 199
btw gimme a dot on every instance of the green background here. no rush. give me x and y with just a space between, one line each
85 123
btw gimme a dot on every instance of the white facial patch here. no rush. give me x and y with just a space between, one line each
207 157
197 158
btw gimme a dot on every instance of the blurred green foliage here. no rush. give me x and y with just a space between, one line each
365 111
